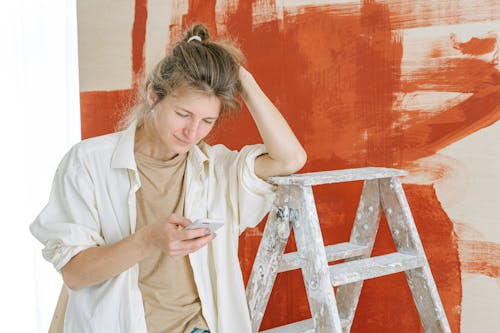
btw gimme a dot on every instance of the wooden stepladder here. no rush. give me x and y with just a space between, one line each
295 208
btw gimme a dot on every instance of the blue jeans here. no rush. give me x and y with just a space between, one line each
199 330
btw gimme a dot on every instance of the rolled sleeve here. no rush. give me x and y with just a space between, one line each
69 223
255 195
59 254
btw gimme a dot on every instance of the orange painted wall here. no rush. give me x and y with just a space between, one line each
334 72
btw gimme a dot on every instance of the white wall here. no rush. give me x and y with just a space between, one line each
40 120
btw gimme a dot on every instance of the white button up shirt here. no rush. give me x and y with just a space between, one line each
92 203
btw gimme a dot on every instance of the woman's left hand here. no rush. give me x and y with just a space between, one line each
285 153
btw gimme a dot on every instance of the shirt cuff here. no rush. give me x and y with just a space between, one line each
59 254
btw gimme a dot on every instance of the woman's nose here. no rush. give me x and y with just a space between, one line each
190 130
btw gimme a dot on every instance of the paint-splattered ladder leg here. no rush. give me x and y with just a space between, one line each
405 235
265 267
311 248
363 233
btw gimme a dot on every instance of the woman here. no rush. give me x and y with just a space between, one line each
114 224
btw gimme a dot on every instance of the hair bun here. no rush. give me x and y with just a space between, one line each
197 30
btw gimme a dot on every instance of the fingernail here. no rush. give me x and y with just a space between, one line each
207 231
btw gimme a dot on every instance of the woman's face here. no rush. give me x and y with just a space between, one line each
182 121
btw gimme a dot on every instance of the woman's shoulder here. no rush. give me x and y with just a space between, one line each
215 151
97 148
101 142
221 151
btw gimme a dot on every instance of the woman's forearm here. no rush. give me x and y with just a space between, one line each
98 264
285 153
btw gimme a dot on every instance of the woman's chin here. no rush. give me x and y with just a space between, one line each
182 149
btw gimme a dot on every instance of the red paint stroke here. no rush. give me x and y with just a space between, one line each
379 60
201 12
477 46
138 42
424 136
441 246
480 257
436 53
423 13
101 110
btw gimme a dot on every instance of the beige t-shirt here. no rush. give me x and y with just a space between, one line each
171 302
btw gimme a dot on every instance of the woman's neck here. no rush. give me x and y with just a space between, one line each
149 144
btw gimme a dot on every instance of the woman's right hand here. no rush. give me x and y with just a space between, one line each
170 236
100 263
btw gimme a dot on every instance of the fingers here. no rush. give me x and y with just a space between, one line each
193 233
197 243
191 245
178 242
176 219
181 233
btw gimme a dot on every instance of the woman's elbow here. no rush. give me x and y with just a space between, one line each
70 280
297 162
301 159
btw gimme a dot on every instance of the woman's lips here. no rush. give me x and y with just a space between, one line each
185 143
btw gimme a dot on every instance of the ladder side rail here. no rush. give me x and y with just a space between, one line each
337 176
405 235
363 233
266 263
315 270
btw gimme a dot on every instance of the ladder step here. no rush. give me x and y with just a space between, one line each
363 269
291 261
304 326
345 250
337 176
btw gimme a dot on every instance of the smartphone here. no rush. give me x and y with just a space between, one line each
210 224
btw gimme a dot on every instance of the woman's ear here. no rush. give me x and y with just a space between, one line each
151 95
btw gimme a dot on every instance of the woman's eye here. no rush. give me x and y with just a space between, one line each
209 122
183 115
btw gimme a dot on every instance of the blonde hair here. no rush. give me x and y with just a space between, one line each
195 64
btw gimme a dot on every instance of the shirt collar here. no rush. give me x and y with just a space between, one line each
197 157
123 156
